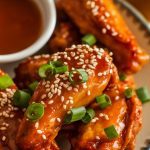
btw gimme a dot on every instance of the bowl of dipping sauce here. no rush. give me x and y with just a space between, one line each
25 27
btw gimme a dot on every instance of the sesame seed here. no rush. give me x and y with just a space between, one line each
36 125
51 102
44 136
3 138
58 119
97 137
62 98
104 30
39 131
88 93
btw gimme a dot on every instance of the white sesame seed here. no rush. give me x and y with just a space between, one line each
36 125
51 102
62 98
3 138
39 131
88 93
104 30
44 136
58 119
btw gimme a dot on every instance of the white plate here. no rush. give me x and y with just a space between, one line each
142 78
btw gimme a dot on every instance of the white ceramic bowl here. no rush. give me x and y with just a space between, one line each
48 11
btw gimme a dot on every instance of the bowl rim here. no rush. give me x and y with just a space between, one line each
39 43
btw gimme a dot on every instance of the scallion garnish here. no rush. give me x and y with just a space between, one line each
35 111
5 82
143 94
122 76
111 132
75 114
44 70
103 101
21 99
128 93
89 39
33 86
53 67
82 76
90 114
58 67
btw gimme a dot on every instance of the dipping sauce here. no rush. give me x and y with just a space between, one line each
20 25
143 6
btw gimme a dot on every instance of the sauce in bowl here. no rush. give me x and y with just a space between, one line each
143 6
20 25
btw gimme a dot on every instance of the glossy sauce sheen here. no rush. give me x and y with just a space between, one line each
20 25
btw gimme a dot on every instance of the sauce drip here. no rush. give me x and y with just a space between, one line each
20 25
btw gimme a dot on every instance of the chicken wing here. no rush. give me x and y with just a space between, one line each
27 71
64 36
9 118
124 114
102 19
59 95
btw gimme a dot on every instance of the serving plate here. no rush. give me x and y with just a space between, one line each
142 78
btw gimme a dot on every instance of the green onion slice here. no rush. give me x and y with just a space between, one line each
128 93
103 101
33 86
75 114
80 72
89 39
90 114
122 77
21 99
58 67
53 67
143 94
111 132
35 111
5 82
44 70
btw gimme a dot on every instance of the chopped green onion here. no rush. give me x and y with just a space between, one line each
128 93
122 76
58 67
143 94
21 99
103 101
44 70
33 86
90 114
35 111
5 82
53 67
89 39
75 114
81 72
111 132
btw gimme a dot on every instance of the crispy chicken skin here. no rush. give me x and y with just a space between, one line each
124 113
9 118
102 19
59 95
65 33
64 36
27 71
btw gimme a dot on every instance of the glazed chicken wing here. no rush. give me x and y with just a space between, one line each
64 36
59 95
124 114
102 19
9 118
27 71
